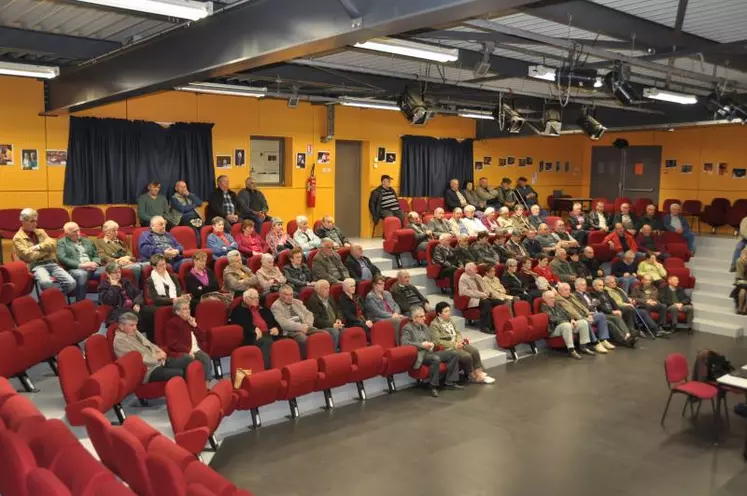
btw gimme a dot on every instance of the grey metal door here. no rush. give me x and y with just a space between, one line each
348 187
605 172
632 172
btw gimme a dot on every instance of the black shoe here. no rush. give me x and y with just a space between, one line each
661 333
487 330
453 385
434 392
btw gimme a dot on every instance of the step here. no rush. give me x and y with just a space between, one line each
709 272
493 358
383 263
700 296
713 327
712 263
720 313
715 241
480 340
715 285
723 253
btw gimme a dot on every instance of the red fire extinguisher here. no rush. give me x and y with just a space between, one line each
311 189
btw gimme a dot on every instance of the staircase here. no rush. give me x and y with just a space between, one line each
714 310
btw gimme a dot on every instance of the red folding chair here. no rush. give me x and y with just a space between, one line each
676 373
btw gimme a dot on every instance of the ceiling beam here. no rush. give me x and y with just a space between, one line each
54 45
247 36
480 37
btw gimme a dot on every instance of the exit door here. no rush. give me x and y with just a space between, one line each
348 186
632 172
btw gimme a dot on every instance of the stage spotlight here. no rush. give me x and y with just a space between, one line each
616 82
512 120
413 106
552 121
725 107
589 125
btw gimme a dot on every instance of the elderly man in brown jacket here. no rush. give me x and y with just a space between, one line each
328 265
472 286
578 311
295 319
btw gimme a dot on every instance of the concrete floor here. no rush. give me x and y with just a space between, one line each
549 425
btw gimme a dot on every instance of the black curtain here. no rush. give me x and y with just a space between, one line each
113 160
428 164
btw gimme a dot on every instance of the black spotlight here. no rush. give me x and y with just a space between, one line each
512 120
413 106
589 125
616 82
725 107
552 121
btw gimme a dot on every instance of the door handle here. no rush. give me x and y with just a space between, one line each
639 190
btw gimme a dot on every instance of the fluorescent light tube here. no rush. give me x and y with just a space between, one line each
29 70
370 104
224 89
669 96
411 49
542 72
182 9
471 114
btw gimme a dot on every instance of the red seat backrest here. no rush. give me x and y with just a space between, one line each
18 461
136 240
184 269
383 334
284 352
391 224
211 313
204 233
17 273
692 207
291 227
675 368
247 357
522 308
335 291
53 218
220 265
668 203
404 205
596 237
185 236
265 229
52 300
460 302
10 220
254 262
25 309
364 287
163 315
97 353
310 257
354 338
271 298
73 372
283 259
434 203
551 221
420 205
90 217
318 345
673 263
6 318
501 315
537 305
124 216
344 253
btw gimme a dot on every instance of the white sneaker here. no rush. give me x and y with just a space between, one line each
608 345
486 379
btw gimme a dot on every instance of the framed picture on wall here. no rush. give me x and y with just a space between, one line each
738 173
223 161
478 166
542 165
548 165
686 169
381 154
670 163
708 168
567 167
322 158
300 160
239 157
6 155
557 166
391 157
522 162
30 159
56 157
487 160
502 162
722 167
510 160
529 161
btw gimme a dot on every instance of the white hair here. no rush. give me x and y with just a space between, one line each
157 218
301 219
321 282
439 209
444 236
489 210
28 213
69 226
458 209
503 210
109 224
266 257
349 282
179 304
233 255
469 208
578 282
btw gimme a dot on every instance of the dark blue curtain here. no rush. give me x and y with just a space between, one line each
112 160
428 164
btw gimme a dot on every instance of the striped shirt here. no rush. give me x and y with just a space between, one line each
389 200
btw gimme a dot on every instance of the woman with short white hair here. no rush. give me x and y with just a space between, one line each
489 219
505 225
305 236
269 276
471 222
351 307
237 277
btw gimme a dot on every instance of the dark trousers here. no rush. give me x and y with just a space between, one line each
172 367
433 361
394 213
486 311
469 359
646 318
447 273
659 308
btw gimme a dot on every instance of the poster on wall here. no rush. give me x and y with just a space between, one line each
686 169
322 158
708 168
487 160
478 166
391 157
510 160
534 177
557 166
300 160
541 167
223 161
239 157
502 162
529 161
738 173
670 163
6 154
56 157
30 160
548 165
722 167
522 162
567 167
381 154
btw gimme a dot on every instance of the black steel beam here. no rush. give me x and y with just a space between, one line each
55 45
250 35
479 37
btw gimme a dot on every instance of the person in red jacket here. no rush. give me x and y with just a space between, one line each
621 241
183 337
542 269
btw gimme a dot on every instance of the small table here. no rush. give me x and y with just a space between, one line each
582 201
737 383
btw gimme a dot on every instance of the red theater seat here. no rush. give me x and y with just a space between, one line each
124 216
398 240
420 205
298 376
715 214
18 274
136 233
52 220
436 202
21 348
333 368
187 238
220 337
198 390
89 219
144 392
432 270
367 360
396 359
258 389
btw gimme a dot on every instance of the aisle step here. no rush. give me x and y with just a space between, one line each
721 300
719 313
715 327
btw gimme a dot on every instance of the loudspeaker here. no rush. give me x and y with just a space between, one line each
620 143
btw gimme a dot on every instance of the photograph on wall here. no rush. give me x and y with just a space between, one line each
738 173
478 166
510 160
239 157
686 169
557 166
30 159
708 168
223 161
322 158
567 167
670 163
502 162
391 157
722 167
56 157
300 160
548 165
541 167
6 154
530 161
522 162
381 154
487 160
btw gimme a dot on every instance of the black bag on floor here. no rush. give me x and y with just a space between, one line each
710 365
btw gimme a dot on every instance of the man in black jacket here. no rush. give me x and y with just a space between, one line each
222 203
443 256
252 204
532 244
598 220
591 263
327 315
453 198
674 297
383 201
328 229
360 266
628 219
406 295
259 325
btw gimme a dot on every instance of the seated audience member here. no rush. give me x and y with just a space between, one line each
159 367
202 284
184 208
297 273
646 296
494 288
269 275
649 244
471 222
628 219
740 283
547 240
360 266
578 311
626 270
456 225
653 268
111 249
563 238
328 265
257 323
486 193
741 244
562 324
453 196
514 282
304 235
252 203
505 224
296 321
490 219
422 233
157 241
219 242
528 279
439 225
675 299
328 229
384 203
443 256
444 334
278 240
532 244
543 269
408 296
79 257
327 315
561 267
119 294
621 241
482 252
624 303
237 277
462 252
526 192
618 330
621 319
499 248
515 248
506 195
579 224
416 333
675 222
592 264
249 241
472 286
580 270
651 218
223 203
351 307
535 219
380 305
162 287
598 220
472 197
519 220
152 204
183 337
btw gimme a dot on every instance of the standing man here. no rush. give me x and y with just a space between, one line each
223 203
78 256
184 208
152 203
253 204
384 203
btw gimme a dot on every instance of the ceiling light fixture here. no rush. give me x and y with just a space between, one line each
182 9
669 96
617 83
224 89
473 114
369 104
411 49
552 120
542 72
503 113
29 70
726 107
590 126
413 105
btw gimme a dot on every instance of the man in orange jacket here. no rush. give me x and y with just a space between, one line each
621 241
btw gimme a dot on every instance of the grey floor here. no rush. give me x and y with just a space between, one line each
548 426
